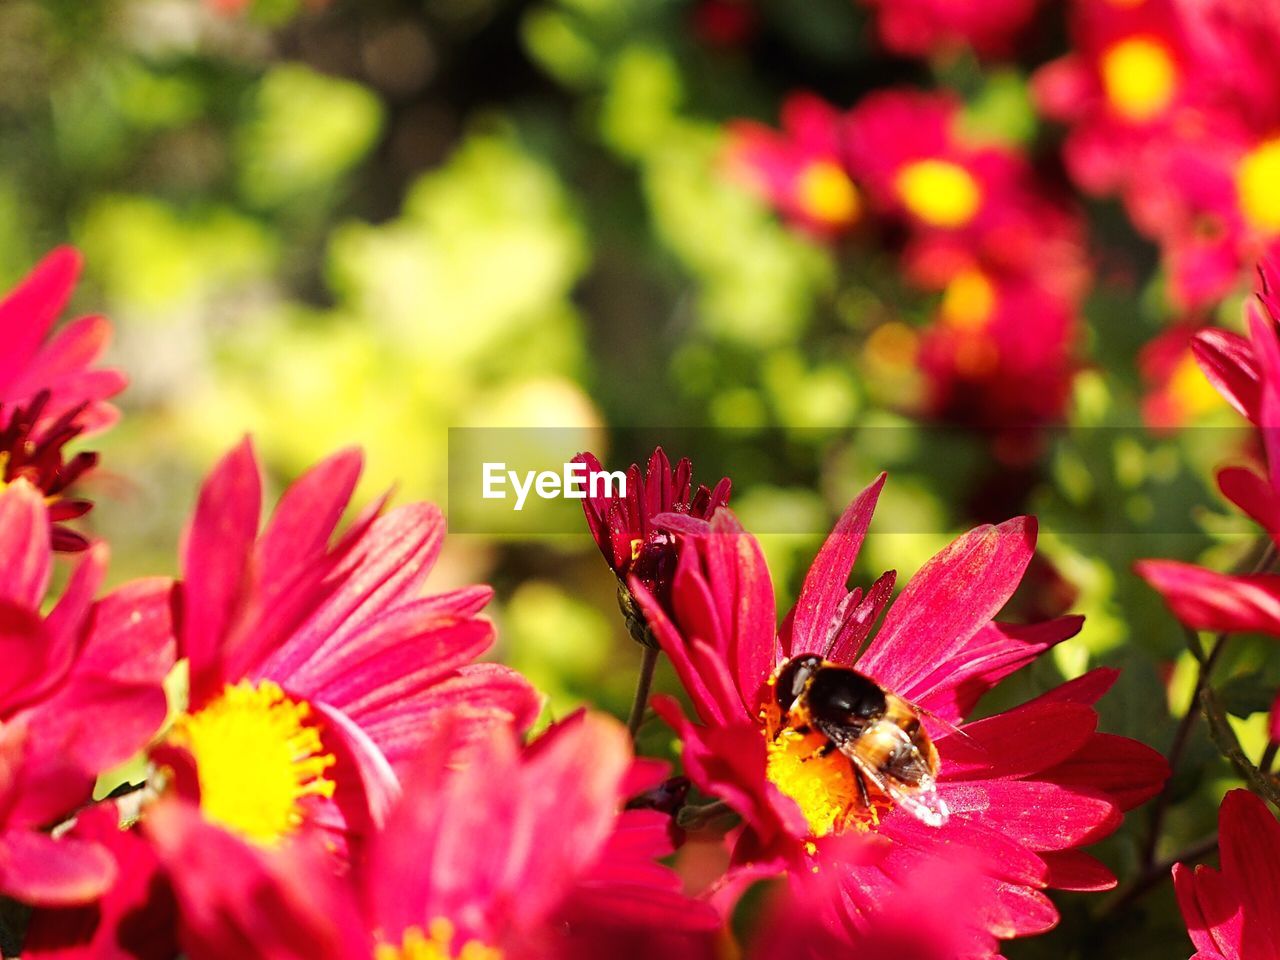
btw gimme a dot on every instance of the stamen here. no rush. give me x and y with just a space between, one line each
434 945
258 755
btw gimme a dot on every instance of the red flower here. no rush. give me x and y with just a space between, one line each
50 392
1128 81
631 543
81 692
317 668
904 148
1231 913
496 852
801 169
925 27
1177 390
1000 354
1020 802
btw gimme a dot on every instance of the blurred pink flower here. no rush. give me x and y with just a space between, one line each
999 356
1128 81
1025 788
800 170
317 669
81 692
1177 391
495 852
1231 913
928 27
905 148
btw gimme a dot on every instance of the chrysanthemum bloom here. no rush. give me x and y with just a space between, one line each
800 170
1127 81
1231 912
1210 190
50 390
1177 392
497 852
623 527
1000 354
1022 790
81 692
927 27
316 669
905 149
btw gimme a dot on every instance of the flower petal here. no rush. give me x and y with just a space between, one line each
1207 600
947 601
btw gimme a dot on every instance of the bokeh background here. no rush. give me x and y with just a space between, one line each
371 221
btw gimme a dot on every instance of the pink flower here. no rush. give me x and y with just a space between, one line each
999 356
317 668
800 170
926 27
904 147
1177 392
1231 913
623 527
1129 81
1020 802
925 921
495 852
50 390
81 692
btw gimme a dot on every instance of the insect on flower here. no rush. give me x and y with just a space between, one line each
880 733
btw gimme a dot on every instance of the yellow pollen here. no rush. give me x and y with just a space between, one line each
1191 388
1258 186
435 944
969 301
823 787
1139 77
941 193
258 754
826 194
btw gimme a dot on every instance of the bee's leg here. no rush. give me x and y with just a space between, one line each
861 781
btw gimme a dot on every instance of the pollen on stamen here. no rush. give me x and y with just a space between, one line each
258 755
434 944
824 787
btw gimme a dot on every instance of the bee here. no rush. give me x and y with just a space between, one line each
879 732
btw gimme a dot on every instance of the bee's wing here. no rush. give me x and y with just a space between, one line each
921 801
950 728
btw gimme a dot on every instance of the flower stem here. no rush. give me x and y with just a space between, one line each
1182 736
648 664
1157 873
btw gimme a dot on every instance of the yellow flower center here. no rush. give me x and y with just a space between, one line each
941 193
1191 389
824 787
258 754
969 301
826 194
436 944
1139 77
1258 185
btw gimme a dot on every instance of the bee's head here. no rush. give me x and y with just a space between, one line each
793 676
